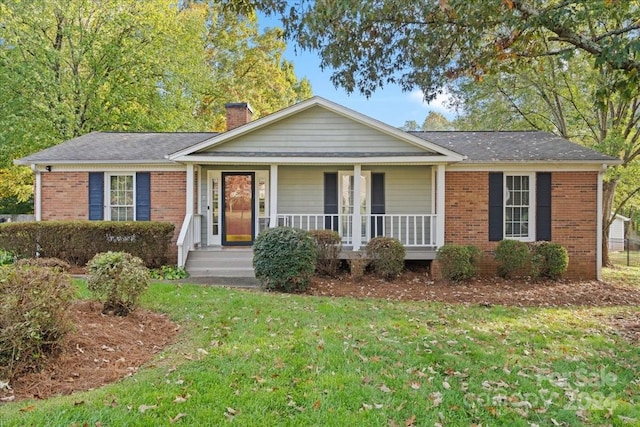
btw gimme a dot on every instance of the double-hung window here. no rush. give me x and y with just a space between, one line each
120 197
519 215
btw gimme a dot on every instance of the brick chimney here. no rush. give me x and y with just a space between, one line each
238 114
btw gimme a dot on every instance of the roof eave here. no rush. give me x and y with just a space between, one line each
27 162
202 159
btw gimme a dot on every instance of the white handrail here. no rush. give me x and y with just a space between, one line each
413 230
189 237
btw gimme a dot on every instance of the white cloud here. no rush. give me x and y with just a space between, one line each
439 104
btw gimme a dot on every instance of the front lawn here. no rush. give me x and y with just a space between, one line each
249 358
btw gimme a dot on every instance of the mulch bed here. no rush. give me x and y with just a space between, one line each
100 350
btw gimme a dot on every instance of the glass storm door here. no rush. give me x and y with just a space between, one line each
238 208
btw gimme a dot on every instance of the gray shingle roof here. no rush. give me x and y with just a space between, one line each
139 147
478 147
511 146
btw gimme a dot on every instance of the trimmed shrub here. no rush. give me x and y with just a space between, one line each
54 263
458 262
34 303
76 242
284 259
549 260
328 247
386 256
511 255
117 279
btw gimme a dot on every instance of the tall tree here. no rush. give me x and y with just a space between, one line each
248 66
436 121
68 67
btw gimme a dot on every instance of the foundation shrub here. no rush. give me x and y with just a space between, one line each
76 242
284 259
512 256
118 280
386 257
328 247
549 260
34 302
458 262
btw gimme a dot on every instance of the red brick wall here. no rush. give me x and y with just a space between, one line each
574 217
65 197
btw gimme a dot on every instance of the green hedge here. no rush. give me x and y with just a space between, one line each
78 241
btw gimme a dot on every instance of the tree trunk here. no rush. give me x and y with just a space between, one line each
608 193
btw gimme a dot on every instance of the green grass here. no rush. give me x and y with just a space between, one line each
623 275
620 258
249 358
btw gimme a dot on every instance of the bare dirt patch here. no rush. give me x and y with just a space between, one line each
101 349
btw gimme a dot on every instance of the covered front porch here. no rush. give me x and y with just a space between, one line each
228 206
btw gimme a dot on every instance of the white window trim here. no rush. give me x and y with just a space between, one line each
532 206
107 193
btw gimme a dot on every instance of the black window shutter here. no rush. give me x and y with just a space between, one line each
543 206
331 200
496 207
143 196
377 203
96 196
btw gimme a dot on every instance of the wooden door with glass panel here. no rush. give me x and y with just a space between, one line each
238 208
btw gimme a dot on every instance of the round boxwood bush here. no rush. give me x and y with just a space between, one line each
458 262
284 259
549 260
511 255
386 256
118 279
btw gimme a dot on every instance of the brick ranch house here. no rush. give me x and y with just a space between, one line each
296 167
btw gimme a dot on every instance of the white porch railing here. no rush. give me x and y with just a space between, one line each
411 230
189 237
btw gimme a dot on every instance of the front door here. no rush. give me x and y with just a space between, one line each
238 208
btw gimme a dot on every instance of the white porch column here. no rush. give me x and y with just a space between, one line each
356 228
190 188
273 196
37 194
199 191
440 210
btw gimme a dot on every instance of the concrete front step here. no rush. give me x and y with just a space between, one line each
220 263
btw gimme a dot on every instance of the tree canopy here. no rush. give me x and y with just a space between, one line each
371 43
69 67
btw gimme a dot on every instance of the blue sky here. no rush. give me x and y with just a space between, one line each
390 105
